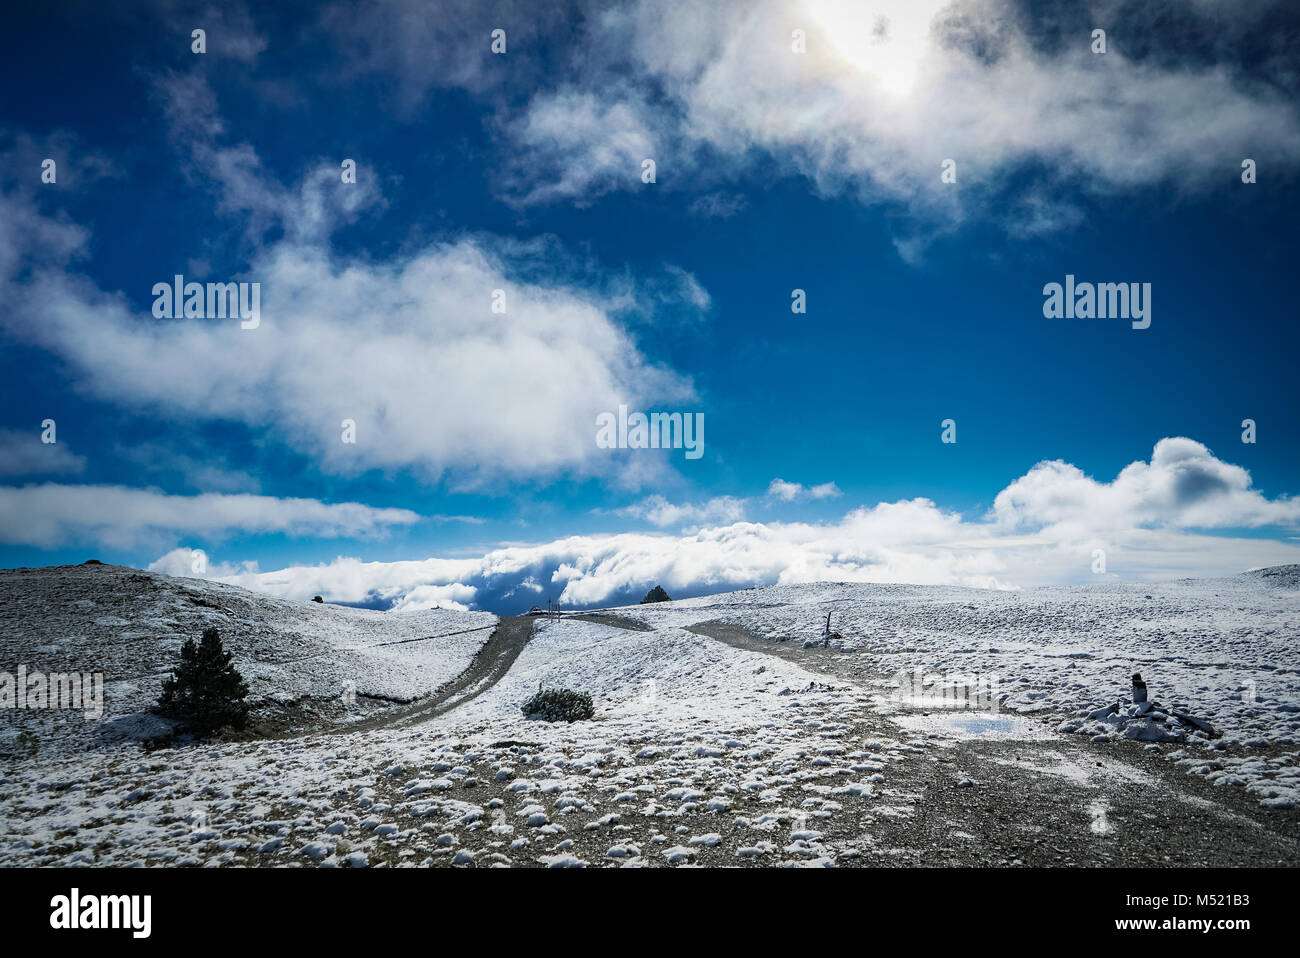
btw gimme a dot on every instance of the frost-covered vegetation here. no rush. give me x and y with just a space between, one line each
560 705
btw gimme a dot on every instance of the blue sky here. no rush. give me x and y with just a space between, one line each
476 478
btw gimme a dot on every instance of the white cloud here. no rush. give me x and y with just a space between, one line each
687 289
886 91
24 454
181 561
77 165
345 579
790 491
308 212
659 511
1043 530
409 349
1183 486
52 515
454 596
578 145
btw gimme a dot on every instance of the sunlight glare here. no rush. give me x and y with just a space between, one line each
887 39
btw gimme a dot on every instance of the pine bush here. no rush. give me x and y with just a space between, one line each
205 693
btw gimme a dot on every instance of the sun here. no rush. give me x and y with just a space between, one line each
887 40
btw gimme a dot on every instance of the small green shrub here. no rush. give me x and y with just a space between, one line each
317 598
560 705
657 594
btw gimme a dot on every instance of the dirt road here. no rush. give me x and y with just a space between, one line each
490 663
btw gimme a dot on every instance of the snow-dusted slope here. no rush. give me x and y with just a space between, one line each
698 752
649 682
1225 650
702 752
1228 648
130 625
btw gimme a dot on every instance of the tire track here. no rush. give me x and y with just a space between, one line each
489 666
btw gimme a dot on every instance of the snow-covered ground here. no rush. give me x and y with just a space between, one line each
726 756
129 625
1224 650
713 752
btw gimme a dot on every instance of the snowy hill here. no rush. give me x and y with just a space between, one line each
1229 648
727 732
296 656
1224 650
720 749
1282 576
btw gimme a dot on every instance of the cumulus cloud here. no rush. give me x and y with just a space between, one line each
346 579
790 491
658 510
454 596
410 349
51 515
1151 521
183 562
405 585
888 89
1183 486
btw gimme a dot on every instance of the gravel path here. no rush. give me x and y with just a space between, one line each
490 664
1042 799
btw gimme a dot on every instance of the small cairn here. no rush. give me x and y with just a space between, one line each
1143 719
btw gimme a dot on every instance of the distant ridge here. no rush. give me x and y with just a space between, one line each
1287 576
